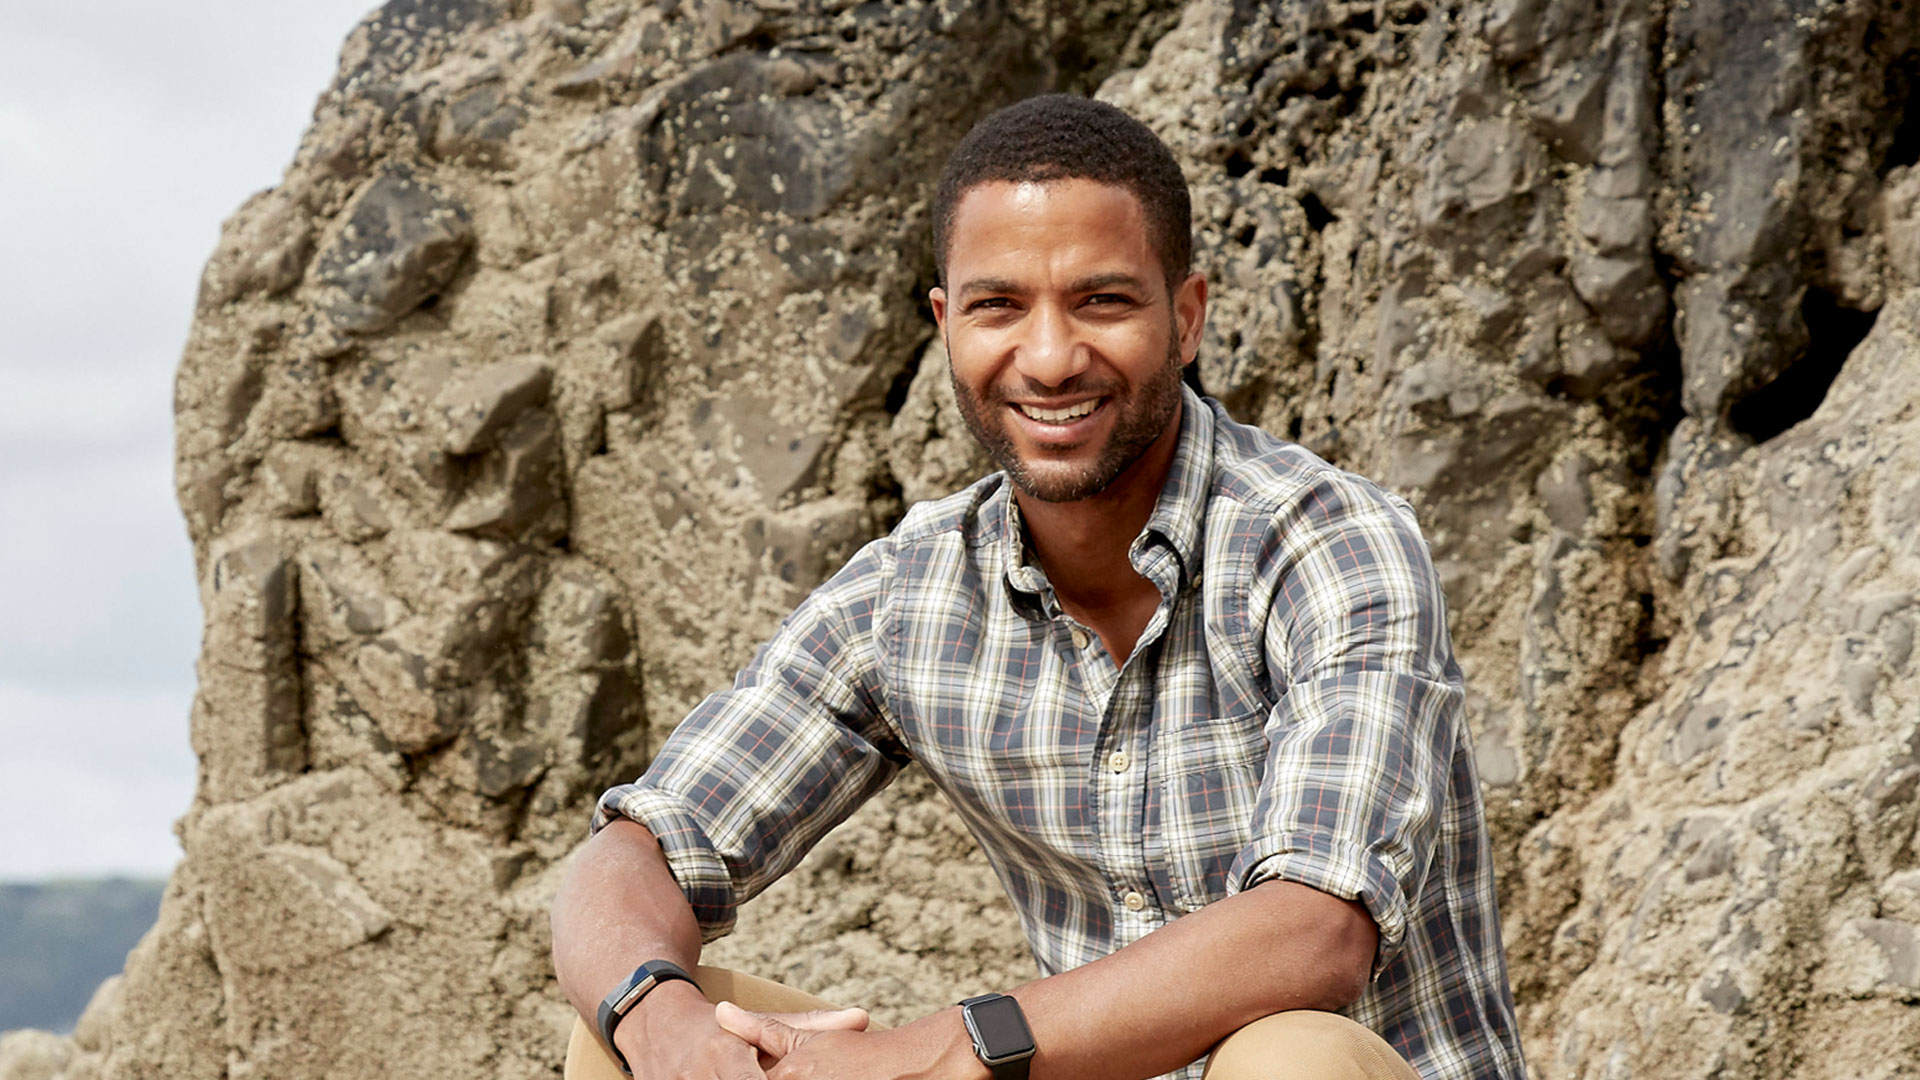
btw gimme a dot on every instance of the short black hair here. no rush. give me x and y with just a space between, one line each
1062 137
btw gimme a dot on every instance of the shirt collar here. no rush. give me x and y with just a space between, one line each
1182 506
1175 521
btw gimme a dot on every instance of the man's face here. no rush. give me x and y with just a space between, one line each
1066 345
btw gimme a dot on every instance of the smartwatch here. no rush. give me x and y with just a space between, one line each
1001 1039
628 994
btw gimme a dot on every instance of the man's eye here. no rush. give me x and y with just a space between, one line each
989 302
1109 298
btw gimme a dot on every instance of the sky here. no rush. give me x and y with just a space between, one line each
129 129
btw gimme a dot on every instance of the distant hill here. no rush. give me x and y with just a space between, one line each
59 939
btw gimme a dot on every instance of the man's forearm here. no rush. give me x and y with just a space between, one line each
619 906
1168 998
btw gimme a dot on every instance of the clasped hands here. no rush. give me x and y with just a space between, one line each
677 1034
824 1045
795 1046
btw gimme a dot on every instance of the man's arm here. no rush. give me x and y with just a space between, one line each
1149 1008
1166 999
742 789
618 907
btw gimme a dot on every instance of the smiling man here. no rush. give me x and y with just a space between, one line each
1189 685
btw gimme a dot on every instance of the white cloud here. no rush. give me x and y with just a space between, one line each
96 573
92 780
60 411
22 139
128 131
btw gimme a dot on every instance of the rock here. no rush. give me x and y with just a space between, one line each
399 689
929 447
1565 495
343 596
1628 291
477 125
517 491
1897 209
401 242
334 881
356 503
479 405
581 340
732 134
93 1032
1898 946
1480 166
247 718
312 907
27 1054
581 623
267 253
292 479
401 35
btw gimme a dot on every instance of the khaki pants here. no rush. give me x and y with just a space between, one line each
1301 1045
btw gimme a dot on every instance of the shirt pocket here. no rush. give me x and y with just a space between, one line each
1208 788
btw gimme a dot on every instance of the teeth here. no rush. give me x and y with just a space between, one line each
1060 416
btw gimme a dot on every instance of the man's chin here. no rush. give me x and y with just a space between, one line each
1058 482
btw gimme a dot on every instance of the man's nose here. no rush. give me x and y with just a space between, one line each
1050 352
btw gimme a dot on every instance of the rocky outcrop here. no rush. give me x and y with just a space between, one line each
581 339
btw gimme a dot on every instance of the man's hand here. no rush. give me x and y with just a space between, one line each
775 1035
679 1038
815 1052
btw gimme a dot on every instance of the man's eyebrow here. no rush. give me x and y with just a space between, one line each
1094 282
974 286
1090 283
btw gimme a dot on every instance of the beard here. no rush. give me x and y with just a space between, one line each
1143 412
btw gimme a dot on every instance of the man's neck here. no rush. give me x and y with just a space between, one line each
1083 545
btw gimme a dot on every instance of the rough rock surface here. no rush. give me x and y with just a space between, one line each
583 337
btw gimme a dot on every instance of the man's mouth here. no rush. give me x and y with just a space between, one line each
1064 415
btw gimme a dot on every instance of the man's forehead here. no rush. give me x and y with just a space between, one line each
1030 194
995 218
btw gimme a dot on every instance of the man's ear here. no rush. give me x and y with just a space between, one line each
1190 314
937 296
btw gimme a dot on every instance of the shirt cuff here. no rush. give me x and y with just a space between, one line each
1336 867
691 857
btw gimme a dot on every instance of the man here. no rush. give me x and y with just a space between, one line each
1190 687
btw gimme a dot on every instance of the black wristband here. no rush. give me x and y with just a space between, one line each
628 994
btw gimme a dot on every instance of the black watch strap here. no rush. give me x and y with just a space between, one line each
1001 1039
1012 1070
628 994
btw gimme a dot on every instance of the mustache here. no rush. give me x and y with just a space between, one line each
1032 390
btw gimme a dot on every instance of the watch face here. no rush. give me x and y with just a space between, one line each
1002 1028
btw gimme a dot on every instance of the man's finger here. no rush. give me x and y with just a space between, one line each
825 1019
774 1037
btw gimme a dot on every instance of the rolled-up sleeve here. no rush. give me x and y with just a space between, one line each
758 773
1361 739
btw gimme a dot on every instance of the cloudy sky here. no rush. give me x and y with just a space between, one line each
128 130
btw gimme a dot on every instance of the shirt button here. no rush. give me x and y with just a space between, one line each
1134 901
1118 761
1079 638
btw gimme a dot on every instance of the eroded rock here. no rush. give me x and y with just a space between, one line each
575 349
402 240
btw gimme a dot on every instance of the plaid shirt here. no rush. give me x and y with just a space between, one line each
1292 712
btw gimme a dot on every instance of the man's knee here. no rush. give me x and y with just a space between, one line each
1306 1045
